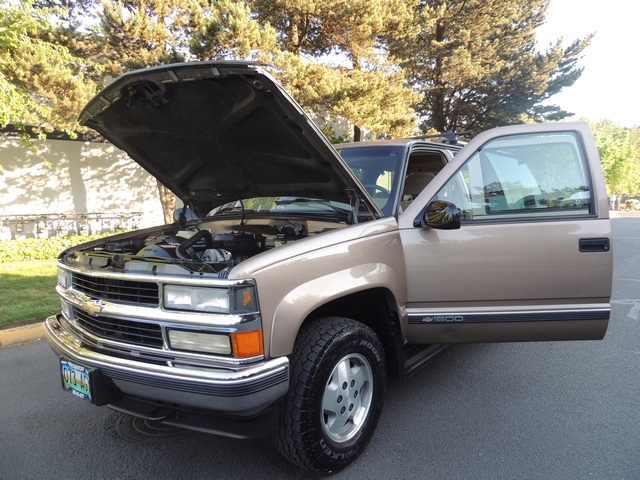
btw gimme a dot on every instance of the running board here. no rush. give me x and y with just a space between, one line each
417 356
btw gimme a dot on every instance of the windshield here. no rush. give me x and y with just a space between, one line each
377 168
281 204
289 205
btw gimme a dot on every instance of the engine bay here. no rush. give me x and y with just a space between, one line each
220 252
200 248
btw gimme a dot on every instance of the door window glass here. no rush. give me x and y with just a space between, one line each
522 176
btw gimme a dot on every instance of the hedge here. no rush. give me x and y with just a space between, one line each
40 248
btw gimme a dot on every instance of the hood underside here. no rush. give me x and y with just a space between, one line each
215 132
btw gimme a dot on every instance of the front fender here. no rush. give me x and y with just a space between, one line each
300 302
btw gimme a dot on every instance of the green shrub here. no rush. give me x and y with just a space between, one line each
40 248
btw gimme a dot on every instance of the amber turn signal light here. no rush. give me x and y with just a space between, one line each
247 344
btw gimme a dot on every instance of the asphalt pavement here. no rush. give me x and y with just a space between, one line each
564 410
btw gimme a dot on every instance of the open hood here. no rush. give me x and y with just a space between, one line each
214 132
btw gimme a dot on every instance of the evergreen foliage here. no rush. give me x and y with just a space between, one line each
476 64
458 64
42 84
368 90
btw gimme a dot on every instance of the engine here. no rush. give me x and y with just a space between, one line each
220 251
196 250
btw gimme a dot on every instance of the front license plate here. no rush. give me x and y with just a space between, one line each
76 379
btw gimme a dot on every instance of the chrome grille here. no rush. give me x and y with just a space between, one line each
129 331
145 293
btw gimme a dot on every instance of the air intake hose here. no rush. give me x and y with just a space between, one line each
181 250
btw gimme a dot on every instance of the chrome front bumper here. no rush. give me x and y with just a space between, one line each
242 392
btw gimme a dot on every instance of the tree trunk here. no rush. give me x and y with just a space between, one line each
357 134
168 201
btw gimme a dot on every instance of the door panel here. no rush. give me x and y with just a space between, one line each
509 282
532 259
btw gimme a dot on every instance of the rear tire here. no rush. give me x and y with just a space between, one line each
338 378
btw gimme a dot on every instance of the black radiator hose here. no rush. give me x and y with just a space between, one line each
181 250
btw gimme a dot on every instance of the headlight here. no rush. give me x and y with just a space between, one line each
199 299
236 300
199 342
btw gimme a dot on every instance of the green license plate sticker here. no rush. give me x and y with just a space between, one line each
76 379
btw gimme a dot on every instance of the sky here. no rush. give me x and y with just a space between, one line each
608 87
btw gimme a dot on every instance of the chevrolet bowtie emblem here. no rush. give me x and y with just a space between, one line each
93 307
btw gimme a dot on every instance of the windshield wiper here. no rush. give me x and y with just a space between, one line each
319 201
348 213
233 210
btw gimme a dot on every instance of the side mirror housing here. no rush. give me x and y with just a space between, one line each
439 214
189 215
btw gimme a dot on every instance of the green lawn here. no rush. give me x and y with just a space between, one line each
27 292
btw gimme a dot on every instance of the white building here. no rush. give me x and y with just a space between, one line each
65 186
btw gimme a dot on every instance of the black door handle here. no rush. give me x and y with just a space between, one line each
595 245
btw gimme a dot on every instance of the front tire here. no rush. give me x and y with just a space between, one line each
338 378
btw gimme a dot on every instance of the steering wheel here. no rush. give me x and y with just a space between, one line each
379 194
375 189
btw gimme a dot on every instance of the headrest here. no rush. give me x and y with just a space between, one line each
415 182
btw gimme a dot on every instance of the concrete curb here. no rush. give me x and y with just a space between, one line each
12 336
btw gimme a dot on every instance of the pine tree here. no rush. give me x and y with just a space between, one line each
477 65
42 83
226 29
370 92
135 34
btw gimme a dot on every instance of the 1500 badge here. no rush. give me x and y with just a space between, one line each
443 318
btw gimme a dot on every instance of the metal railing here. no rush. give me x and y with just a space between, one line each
59 225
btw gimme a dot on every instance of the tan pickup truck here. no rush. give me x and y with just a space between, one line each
300 275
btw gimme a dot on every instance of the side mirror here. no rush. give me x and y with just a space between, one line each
189 215
440 214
